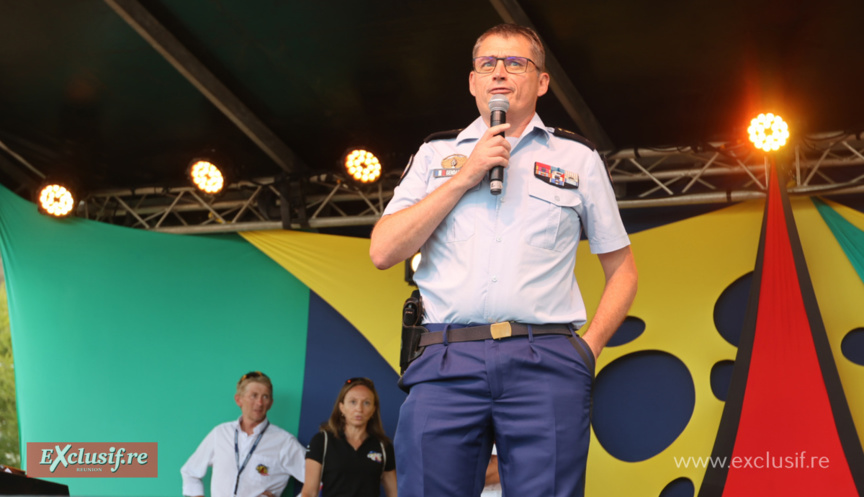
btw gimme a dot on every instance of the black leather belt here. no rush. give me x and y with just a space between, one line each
496 331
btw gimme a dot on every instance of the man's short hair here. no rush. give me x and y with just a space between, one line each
538 53
256 377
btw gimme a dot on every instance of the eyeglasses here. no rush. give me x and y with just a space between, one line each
513 65
359 379
251 374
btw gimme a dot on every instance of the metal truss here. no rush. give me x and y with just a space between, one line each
322 201
825 164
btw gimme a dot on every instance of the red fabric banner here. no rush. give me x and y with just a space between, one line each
787 441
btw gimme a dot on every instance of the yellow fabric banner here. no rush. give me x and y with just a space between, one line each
684 267
339 270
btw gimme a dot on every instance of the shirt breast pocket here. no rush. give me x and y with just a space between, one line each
263 470
460 223
554 218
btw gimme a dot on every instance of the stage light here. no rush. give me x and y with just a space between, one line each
768 132
56 199
206 176
362 166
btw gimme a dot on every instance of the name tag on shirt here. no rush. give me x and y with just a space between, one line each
444 173
556 176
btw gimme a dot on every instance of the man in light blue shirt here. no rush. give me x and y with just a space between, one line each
499 293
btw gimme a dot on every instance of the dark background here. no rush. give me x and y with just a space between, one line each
82 93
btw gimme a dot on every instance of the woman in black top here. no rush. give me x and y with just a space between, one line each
351 455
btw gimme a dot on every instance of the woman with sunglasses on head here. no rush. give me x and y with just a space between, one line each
351 456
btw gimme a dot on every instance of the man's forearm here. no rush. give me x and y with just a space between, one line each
618 295
398 236
191 476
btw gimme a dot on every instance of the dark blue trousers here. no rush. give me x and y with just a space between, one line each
531 395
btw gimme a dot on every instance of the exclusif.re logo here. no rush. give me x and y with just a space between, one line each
94 460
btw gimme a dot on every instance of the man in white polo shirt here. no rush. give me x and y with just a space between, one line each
250 456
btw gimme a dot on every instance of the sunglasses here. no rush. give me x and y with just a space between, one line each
252 374
359 379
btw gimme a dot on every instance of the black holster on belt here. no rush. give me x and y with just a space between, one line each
412 314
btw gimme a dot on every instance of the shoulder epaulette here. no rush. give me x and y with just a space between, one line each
443 135
563 133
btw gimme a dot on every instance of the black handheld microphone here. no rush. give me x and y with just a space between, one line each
499 105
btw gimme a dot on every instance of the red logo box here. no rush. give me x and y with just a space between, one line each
92 460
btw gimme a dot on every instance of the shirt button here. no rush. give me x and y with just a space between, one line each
557 199
497 238
494 279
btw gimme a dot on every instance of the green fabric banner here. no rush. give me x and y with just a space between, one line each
121 335
850 238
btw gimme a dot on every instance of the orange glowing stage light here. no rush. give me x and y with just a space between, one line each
362 166
56 199
768 132
206 176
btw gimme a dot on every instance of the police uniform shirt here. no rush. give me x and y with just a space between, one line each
349 472
277 457
511 257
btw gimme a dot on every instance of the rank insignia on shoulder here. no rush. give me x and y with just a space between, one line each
454 161
443 135
563 133
556 176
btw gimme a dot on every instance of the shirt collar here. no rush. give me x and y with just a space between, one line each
476 129
255 431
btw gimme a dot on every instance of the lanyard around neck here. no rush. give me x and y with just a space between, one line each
237 453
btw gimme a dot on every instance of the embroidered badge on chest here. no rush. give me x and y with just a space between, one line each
451 165
375 456
454 161
556 176
262 470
